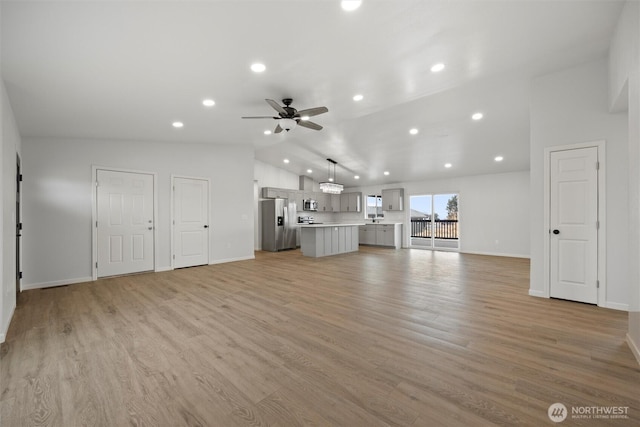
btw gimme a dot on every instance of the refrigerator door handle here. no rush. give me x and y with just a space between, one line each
286 217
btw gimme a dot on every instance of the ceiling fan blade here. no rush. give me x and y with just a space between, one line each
278 129
312 111
277 107
261 117
308 124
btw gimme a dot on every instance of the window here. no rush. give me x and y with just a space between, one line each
374 206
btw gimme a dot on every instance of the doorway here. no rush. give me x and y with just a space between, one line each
124 222
18 226
434 221
574 222
190 237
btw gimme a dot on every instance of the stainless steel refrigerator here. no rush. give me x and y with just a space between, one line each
279 226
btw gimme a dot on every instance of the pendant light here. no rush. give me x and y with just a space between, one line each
330 185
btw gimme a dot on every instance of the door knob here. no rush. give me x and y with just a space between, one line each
206 226
556 231
150 228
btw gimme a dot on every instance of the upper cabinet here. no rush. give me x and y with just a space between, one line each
393 199
350 202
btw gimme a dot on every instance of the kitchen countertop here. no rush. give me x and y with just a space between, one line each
331 224
383 223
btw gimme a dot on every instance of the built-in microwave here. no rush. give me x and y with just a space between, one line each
309 205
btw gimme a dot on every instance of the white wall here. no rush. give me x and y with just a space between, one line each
10 146
568 107
491 208
624 90
57 200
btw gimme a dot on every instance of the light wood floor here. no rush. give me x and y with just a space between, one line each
379 337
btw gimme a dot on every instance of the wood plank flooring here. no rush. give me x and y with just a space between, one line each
374 338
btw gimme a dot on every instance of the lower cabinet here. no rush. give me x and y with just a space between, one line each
381 235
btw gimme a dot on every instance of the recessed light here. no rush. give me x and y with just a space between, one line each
350 5
447 165
208 102
258 67
477 116
358 97
413 131
267 132
286 160
498 158
356 177
177 124
305 118
437 67
309 171
386 172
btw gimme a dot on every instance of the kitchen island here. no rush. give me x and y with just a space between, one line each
317 240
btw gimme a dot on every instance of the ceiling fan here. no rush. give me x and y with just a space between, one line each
289 117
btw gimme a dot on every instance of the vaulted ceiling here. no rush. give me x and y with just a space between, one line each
127 70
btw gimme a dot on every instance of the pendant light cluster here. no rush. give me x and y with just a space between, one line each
330 185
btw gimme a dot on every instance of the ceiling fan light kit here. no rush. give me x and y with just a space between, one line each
288 117
330 186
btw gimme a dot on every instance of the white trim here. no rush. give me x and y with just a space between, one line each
615 306
496 254
161 269
635 349
55 283
536 293
222 261
602 209
94 214
172 225
3 335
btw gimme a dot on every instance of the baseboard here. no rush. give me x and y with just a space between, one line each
616 306
635 349
3 334
539 294
161 269
222 261
26 287
496 254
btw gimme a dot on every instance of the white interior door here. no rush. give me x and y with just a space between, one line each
191 222
573 224
124 222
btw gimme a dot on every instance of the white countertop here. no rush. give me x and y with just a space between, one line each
383 223
331 224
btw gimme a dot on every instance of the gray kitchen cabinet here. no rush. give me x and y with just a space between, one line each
389 235
335 202
277 193
367 234
393 199
350 202
324 202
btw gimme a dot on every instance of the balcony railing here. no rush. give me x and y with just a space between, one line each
440 229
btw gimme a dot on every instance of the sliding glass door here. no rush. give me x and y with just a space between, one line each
434 221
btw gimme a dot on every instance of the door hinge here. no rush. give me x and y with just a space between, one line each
96 265
20 226
597 165
598 284
20 275
174 257
96 224
20 178
597 225
97 184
